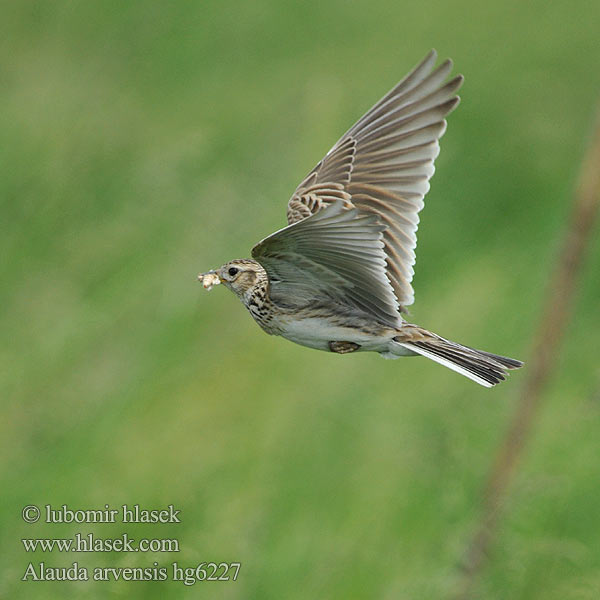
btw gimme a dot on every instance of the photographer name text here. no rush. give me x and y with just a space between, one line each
124 514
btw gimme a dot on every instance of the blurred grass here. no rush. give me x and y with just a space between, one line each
144 142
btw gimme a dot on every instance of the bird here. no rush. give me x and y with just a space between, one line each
338 277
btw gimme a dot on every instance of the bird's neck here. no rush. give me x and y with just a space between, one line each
258 302
257 294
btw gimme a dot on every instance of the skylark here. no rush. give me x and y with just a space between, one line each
338 277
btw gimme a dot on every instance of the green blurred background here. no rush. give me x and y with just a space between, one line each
143 142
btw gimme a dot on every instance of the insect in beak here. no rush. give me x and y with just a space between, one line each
209 279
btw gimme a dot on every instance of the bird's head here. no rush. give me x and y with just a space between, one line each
240 276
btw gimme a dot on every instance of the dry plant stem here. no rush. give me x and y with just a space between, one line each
559 304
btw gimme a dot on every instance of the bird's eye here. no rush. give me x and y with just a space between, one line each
233 271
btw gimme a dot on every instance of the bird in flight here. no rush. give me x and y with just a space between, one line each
338 277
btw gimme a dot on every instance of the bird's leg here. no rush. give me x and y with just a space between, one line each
343 347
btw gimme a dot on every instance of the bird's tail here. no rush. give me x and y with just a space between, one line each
482 367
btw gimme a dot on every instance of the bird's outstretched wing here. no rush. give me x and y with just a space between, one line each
383 164
335 254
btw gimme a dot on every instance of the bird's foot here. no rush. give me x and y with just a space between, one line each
343 347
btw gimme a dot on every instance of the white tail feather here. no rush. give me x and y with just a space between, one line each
442 361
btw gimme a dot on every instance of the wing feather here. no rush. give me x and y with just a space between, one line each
382 165
335 254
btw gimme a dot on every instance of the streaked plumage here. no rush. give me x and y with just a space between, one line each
339 275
